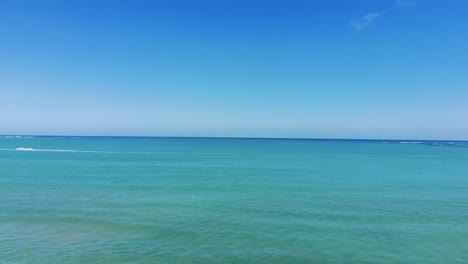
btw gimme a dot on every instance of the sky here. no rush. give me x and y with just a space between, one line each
390 69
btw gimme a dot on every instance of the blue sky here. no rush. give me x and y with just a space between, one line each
322 69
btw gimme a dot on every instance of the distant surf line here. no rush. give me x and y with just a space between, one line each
63 150
22 149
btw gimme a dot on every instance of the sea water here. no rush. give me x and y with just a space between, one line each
215 200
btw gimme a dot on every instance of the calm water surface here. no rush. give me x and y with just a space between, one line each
189 200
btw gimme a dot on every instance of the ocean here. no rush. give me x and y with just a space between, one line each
223 200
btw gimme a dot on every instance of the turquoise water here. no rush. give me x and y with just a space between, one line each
189 200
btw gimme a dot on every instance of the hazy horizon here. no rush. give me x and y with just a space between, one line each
226 137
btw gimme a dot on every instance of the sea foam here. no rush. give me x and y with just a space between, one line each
79 151
24 149
56 150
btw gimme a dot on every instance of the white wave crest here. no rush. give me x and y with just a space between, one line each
16 137
24 149
56 150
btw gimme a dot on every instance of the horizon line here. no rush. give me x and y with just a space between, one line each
228 137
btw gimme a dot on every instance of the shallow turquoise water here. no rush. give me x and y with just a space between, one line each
189 200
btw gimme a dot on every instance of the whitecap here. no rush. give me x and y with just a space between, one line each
9 136
57 150
24 149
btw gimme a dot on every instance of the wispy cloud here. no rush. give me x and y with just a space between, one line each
405 3
365 21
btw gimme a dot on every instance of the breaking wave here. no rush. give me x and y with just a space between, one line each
437 143
16 136
86 151
56 150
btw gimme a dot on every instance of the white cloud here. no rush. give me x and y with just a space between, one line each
405 3
365 21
